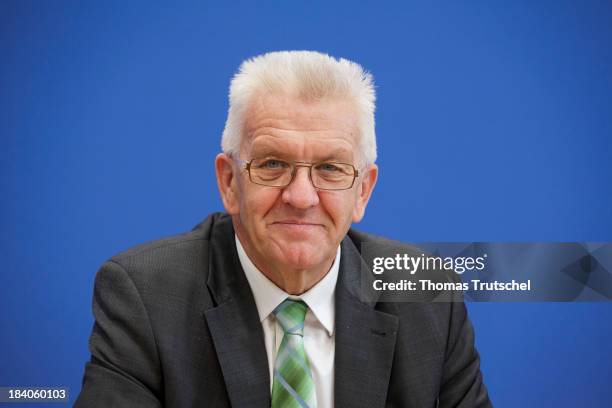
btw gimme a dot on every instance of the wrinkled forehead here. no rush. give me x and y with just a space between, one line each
294 126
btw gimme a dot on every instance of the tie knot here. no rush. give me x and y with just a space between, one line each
290 315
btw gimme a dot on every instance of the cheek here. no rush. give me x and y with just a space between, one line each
339 207
257 202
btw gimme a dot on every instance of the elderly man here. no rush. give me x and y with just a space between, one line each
262 306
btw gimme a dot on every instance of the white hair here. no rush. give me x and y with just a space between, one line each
309 75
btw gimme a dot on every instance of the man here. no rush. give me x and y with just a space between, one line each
262 306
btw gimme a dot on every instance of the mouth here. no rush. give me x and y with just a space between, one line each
296 222
297 226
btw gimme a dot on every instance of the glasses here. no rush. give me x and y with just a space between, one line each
324 175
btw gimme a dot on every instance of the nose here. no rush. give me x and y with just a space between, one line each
301 193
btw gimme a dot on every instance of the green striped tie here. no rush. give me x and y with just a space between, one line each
293 385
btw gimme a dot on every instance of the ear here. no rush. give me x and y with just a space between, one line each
364 191
227 183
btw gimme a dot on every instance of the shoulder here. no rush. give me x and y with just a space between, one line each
173 246
174 263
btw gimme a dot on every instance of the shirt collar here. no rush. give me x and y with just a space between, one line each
319 298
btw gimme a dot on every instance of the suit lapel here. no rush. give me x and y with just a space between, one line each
234 323
365 338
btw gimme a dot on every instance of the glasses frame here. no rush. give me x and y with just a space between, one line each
246 165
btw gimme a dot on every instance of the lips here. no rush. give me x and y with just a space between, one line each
297 228
297 222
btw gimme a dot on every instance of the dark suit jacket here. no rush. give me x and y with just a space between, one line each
176 326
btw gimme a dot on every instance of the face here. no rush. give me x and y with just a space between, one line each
297 226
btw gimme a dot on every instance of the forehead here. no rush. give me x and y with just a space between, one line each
300 127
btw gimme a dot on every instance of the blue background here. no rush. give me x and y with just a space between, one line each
494 124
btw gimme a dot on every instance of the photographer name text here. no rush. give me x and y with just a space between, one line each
474 284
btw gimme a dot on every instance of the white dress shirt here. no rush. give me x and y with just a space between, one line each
319 337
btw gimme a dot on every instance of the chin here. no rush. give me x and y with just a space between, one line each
301 255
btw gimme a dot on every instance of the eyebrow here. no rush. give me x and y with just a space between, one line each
338 154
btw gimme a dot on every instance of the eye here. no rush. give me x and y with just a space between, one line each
273 164
328 167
